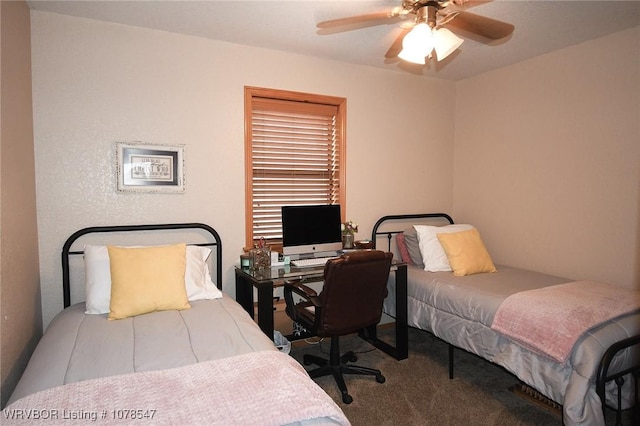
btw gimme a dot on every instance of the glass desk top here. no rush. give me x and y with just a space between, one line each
281 273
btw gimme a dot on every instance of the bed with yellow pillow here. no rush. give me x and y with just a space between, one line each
151 337
551 332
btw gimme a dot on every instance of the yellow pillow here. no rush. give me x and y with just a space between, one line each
147 279
466 253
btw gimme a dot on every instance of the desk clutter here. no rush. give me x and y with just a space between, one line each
261 257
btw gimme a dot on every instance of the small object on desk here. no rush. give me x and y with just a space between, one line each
278 259
347 241
364 244
261 254
245 260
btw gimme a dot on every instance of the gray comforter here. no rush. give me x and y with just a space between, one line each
460 311
79 347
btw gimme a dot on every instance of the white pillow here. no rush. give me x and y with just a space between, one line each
98 277
433 255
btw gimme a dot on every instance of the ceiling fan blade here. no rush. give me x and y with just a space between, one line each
396 46
351 20
467 4
481 25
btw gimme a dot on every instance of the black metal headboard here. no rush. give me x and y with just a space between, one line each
215 241
401 217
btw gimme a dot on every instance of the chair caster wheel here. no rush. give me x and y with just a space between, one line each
353 358
306 360
347 399
380 378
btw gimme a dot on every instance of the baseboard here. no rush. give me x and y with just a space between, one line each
532 395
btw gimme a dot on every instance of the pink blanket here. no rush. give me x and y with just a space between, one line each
266 388
550 320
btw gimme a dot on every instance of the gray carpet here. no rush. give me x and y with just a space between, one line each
418 391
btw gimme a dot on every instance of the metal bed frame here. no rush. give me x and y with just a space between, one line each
603 375
213 236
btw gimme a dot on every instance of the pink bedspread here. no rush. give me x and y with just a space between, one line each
266 388
550 320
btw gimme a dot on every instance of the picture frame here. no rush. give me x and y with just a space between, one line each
144 167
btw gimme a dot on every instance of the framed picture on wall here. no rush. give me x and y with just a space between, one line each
143 167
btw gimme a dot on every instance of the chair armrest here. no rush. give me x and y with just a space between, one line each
298 312
301 290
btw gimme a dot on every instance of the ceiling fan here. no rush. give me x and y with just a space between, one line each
429 28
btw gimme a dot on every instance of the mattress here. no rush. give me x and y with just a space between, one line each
80 347
460 311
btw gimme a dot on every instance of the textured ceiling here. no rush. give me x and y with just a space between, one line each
540 27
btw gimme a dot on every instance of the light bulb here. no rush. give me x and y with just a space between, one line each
417 44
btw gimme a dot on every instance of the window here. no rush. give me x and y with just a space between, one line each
294 154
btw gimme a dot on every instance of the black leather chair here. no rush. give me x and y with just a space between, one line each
355 286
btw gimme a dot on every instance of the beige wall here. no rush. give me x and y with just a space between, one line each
546 153
547 160
20 313
97 83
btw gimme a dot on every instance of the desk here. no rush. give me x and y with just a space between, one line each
265 281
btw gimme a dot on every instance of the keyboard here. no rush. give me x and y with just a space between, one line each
311 262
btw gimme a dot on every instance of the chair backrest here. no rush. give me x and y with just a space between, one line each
355 286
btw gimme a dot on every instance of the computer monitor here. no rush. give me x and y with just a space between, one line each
309 231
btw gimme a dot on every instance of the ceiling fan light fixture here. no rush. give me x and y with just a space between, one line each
414 57
417 44
428 19
445 42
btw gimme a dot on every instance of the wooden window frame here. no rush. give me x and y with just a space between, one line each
253 93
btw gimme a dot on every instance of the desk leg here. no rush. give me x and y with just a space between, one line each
265 309
402 327
244 294
401 350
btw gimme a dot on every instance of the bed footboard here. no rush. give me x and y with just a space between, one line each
605 377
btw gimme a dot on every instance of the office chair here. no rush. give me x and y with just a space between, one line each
355 286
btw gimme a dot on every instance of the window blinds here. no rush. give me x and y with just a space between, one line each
295 150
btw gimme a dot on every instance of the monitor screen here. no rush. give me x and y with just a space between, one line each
311 230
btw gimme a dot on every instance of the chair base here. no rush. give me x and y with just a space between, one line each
337 366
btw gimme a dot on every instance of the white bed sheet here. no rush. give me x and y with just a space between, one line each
460 310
